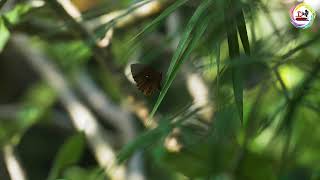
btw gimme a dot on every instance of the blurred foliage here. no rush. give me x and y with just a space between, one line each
4 34
69 154
261 73
70 55
9 19
36 104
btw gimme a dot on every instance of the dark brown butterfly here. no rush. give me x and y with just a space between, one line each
147 78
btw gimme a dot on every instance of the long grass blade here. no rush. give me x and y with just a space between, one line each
234 52
156 21
241 23
188 41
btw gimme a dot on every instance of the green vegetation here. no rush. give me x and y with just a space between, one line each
239 95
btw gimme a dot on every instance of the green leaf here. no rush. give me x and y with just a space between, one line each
5 34
132 44
187 36
218 59
241 23
163 15
70 54
144 140
12 17
69 154
37 102
226 123
187 43
234 52
15 14
192 162
237 80
153 136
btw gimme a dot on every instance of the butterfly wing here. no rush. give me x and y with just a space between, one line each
137 68
142 83
147 79
147 87
150 89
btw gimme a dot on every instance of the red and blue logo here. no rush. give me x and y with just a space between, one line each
302 15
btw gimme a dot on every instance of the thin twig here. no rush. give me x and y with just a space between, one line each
14 167
285 57
82 118
119 118
110 112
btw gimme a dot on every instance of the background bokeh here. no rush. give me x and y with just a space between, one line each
240 96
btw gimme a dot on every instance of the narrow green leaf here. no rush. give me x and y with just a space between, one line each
218 69
185 39
132 44
233 43
194 41
234 52
188 41
69 154
163 15
4 34
226 123
237 80
241 23
103 28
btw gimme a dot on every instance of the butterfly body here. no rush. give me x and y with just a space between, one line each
147 78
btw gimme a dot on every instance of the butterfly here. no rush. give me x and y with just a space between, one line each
147 78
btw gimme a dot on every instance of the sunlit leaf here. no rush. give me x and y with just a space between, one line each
14 16
5 34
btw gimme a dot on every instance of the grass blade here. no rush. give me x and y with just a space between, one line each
234 52
241 23
186 37
218 44
188 41
156 21
132 44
